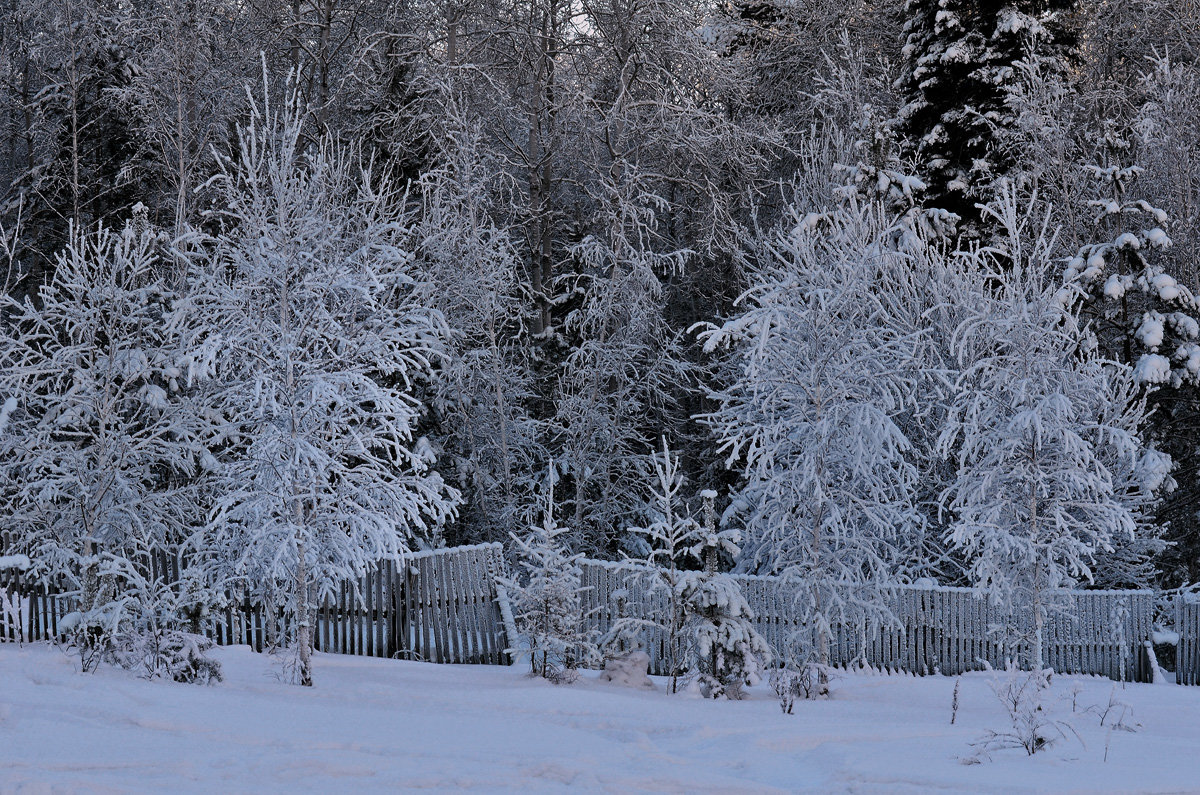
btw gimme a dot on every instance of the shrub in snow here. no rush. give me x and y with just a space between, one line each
546 603
1030 725
139 622
89 631
629 670
806 683
155 651
183 657
151 635
1114 713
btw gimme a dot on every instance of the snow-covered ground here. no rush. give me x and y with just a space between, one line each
374 725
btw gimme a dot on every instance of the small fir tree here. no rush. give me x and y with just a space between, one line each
729 653
674 537
547 606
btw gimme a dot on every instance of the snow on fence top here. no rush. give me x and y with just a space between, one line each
635 566
450 551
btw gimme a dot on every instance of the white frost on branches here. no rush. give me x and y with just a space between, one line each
1043 455
314 343
818 379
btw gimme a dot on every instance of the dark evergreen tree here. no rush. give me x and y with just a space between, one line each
1140 314
958 69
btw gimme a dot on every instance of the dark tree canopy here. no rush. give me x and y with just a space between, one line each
957 76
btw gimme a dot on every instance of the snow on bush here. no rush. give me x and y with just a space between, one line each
629 670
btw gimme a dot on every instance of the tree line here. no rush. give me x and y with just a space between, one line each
295 286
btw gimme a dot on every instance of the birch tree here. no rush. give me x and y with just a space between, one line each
1039 450
104 440
818 379
315 342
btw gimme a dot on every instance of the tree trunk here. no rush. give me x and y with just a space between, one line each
303 627
1039 622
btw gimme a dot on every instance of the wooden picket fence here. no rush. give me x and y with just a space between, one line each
441 606
1187 653
935 630
447 606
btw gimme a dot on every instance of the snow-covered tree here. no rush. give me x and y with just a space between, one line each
491 444
185 91
626 369
673 539
1170 92
1050 134
958 69
315 339
818 376
547 607
728 653
86 163
1141 482
1141 315
1041 452
104 440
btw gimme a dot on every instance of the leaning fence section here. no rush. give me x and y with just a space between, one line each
922 630
1187 654
440 606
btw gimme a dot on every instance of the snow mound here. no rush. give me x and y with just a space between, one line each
632 670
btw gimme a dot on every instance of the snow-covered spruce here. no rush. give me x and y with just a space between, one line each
958 70
727 652
1140 314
